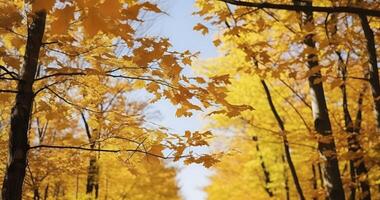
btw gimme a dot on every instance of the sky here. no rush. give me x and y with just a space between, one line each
178 27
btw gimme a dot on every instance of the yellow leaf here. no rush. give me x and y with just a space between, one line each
151 7
63 18
9 15
201 27
132 12
110 9
182 112
157 149
92 23
12 62
336 83
152 87
217 42
154 153
200 80
42 5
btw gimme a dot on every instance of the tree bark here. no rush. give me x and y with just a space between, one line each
326 144
286 180
351 128
285 141
267 178
92 178
359 164
373 68
314 181
93 169
21 111
36 194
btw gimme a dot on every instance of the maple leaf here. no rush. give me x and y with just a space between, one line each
202 28
63 17
151 7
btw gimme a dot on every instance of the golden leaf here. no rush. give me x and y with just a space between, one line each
42 5
110 9
62 20
202 28
92 23
151 7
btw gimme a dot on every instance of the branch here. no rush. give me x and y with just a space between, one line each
71 103
60 74
88 132
303 8
8 91
12 74
103 150
143 78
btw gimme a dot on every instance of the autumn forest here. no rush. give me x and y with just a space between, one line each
289 107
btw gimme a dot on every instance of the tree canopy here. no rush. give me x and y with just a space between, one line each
292 102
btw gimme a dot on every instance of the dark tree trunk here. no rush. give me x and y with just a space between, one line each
36 194
326 146
353 129
46 195
93 168
92 178
285 141
357 165
267 178
354 144
373 68
314 181
286 180
20 116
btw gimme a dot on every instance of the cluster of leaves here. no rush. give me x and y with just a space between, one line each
267 44
91 61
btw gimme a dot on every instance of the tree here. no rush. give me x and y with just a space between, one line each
69 46
264 41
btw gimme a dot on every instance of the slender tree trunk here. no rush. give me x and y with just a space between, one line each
354 146
267 178
326 144
352 129
46 195
314 181
373 68
285 141
57 190
93 169
36 194
92 177
359 164
286 179
20 116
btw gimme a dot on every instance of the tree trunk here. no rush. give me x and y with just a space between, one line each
267 178
36 194
20 116
314 181
373 68
285 141
353 129
92 178
93 168
354 146
46 195
326 144
359 164
286 179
